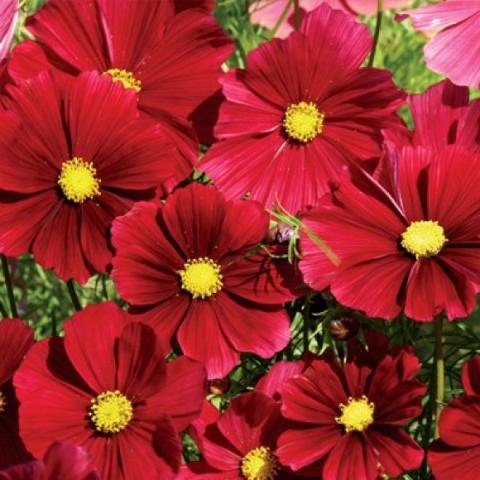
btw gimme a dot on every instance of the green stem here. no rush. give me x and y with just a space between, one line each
439 371
281 19
376 37
9 285
3 310
73 295
297 17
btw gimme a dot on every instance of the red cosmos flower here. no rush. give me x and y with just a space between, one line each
456 454
299 112
350 416
61 461
447 106
15 341
190 266
112 394
171 61
74 157
240 443
409 243
453 51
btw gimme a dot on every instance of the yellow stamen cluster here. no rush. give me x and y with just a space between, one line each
3 403
357 414
111 412
201 277
260 464
424 238
78 180
126 78
303 121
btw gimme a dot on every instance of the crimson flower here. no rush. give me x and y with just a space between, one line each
456 453
350 417
447 105
74 156
190 267
239 444
406 242
111 393
15 341
453 51
171 61
300 112
61 461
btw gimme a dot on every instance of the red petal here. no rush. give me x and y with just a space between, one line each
15 341
180 397
351 458
460 422
54 400
95 360
396 452
201 338
471 376
146 263
73 32
250 327
301 448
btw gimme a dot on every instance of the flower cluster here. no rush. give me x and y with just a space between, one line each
259 220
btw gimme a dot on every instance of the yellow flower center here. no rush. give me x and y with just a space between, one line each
303 121
357 414
78 180
111 412
424 238
260 464
126 78
3 403
201 277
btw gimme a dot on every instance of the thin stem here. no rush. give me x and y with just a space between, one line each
282 18
306 322
9 285
439 371
73 295
376 37
297 17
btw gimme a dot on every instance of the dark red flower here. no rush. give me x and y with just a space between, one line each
171 61
457 453
240 443
350 416
447 106
75 156
191 266
409 241
301 111
15 341
111 393
61 461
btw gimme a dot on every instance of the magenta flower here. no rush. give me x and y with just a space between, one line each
8 20
454 50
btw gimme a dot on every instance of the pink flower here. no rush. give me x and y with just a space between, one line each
268 12
454 50
8 20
